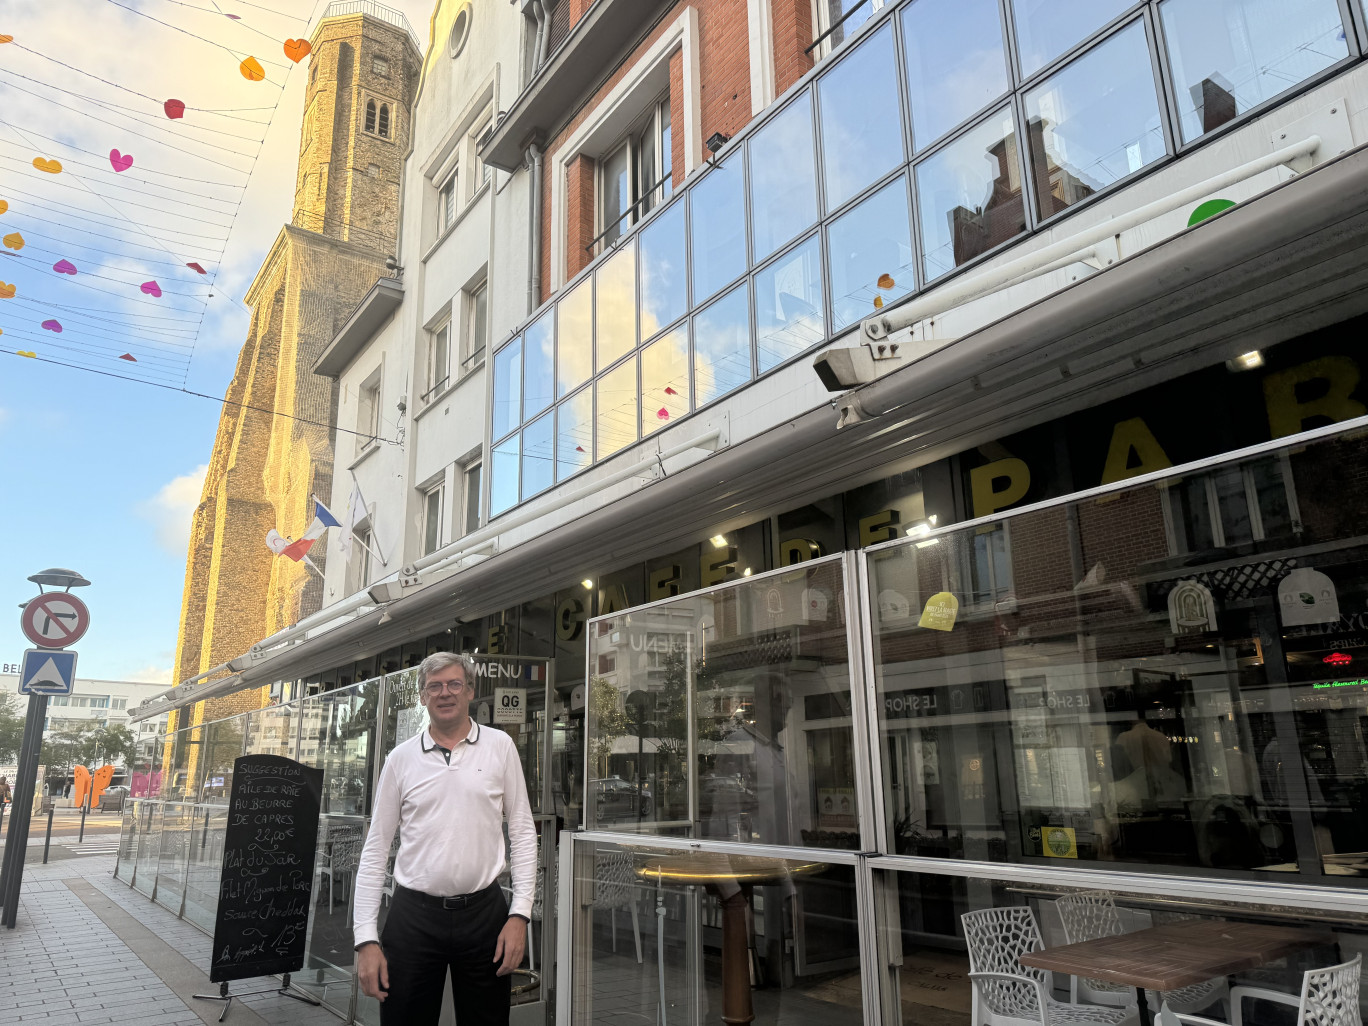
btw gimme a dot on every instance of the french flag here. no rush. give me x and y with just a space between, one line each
297 550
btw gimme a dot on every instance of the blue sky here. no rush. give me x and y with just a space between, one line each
102 474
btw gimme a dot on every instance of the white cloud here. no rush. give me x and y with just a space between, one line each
171 509
152 675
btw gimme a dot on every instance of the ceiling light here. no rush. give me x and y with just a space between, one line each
1246 361
719 541
588 584
928 543
746 572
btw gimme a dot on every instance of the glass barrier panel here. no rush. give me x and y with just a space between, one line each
329 957
1169 675
271 731
149 846
404 715
220 745
205 865
176 763
128 843
726 714
174 849
966 951
338 738
691 937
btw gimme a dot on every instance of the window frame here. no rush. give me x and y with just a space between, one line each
473 347
643 199
472 489
373 103
448 201
438 358
434 494
368 398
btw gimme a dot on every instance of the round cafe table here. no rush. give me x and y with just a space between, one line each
715 870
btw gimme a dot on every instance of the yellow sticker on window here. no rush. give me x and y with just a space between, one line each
1060 843
940 612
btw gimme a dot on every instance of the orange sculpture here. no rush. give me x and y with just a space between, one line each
82 785
103 776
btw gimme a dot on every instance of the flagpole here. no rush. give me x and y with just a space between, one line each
380 555
312 566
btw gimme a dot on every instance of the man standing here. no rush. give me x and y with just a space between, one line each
447 790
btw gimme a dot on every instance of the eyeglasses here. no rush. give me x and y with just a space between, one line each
438 687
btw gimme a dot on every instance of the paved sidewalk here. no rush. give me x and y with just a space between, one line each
88 951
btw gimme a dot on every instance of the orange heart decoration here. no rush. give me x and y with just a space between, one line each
25 352
251 70
52 167
885 281
6 39
3 206
14 241
6 290
297 49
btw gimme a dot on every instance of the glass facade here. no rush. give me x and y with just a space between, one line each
944 131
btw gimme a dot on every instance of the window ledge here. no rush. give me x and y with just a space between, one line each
460 216
364 455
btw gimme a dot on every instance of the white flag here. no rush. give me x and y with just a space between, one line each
356 512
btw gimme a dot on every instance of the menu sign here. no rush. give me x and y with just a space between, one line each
268 864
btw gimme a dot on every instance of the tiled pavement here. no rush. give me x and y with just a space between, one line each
88 951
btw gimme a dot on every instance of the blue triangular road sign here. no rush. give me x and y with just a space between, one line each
47 671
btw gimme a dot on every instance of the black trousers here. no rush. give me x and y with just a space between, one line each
423 942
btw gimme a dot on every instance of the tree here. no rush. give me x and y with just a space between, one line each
609 721
11 728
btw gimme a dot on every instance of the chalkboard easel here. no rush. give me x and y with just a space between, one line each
266 881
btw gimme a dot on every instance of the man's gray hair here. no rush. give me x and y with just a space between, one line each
439 661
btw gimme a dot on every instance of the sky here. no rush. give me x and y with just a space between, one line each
102 473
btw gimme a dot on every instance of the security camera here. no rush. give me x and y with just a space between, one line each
846 368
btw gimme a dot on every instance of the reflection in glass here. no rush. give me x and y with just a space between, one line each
844 17
574 337
788 305
734 938
783 178
617 409
871 255
538 455
956 64
760 669
617 193
861 118
722 352
969 195
503 477
717 212
615 309
1230 55
1094 122
574 434
539 368
664 381
1047 28
664 288
507 388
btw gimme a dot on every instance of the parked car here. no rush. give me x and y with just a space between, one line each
619 799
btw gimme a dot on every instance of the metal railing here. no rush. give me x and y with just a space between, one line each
341 8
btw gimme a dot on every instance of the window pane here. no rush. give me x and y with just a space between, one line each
472 511
507 387
439 356
1046 28
1094 122
836 8
574 434
956 64
722 358
574 337
788 305
503 478
617 194
615 312
664 381
617 409
432 520
871 255
1231 55
646 173
538 455
479 319
666 154
970 195
717 209
664 292
539 374
783 178
861 118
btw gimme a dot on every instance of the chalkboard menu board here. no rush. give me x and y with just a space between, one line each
268 866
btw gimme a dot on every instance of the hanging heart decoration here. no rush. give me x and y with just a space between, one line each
196 268
6 290
3 206
25 352
64 266
129 357
252 70
120 161
52 167
174 109
297 49
13 241
151 288
55 326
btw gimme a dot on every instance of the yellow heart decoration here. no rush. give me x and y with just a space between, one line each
3 206
6 290
14 241
6 39
252 70
52 167
26 352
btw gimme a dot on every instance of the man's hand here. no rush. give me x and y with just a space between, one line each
512 945
373 970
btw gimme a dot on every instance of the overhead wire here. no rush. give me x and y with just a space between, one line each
238 54
72 244
122 183
132 203
23 302
105 157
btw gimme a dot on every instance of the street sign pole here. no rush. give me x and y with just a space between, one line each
16 843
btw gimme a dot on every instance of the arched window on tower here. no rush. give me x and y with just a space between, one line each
384 121
370 115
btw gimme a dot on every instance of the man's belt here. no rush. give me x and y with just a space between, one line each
452 902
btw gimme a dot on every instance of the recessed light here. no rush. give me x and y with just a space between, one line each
588 584
719 541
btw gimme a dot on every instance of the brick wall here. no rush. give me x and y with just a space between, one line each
792 23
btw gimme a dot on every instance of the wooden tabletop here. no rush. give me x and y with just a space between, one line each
1177 954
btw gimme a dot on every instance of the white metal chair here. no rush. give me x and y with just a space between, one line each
1329 997
344 851
615 881
1007 993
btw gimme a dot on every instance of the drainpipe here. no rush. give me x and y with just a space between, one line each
539 12
534 164
543 37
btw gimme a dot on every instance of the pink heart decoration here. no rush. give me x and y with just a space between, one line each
64 267
174 109
151 288
662 414
129 357
196 268
53 326
670 391
120 161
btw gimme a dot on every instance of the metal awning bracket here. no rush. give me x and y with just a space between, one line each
1330 123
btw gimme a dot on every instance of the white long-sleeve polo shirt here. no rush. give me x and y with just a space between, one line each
450 815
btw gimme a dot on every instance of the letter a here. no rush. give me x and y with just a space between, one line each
1134 436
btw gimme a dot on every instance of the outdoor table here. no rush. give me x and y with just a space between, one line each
1175 955
713 870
